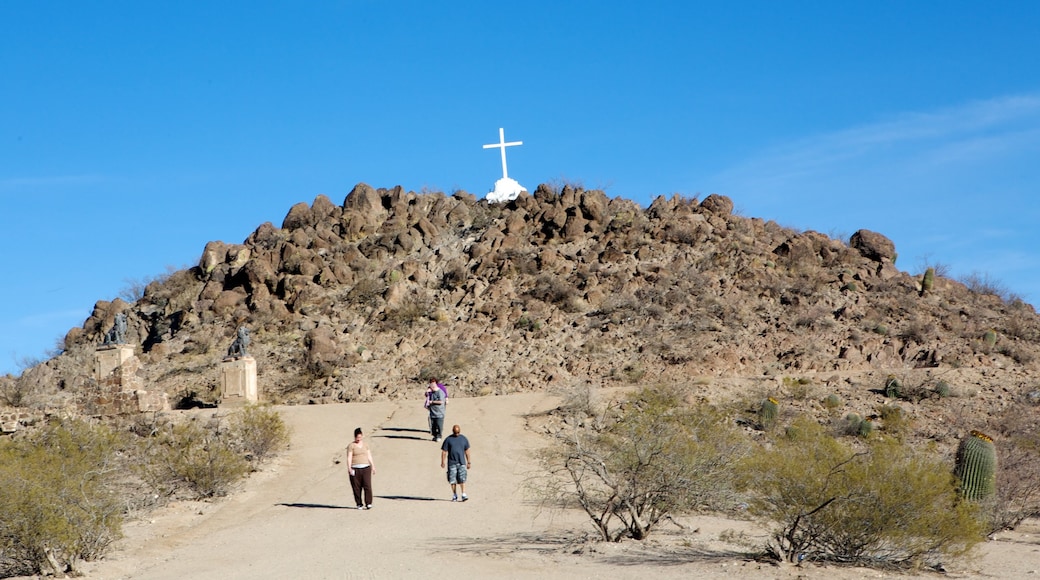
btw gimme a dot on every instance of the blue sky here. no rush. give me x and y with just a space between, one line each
132 133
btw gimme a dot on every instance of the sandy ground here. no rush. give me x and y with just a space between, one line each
295 519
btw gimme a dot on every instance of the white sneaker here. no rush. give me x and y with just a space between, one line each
454 498
464 497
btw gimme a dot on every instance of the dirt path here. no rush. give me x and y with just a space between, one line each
296 518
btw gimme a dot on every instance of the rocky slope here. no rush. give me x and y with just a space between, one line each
363 301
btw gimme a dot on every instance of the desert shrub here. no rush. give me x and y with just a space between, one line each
553 290
894 419
366 291
19 391
259 431
451 360
643 460
1017 490
455 276
412 309
981 283
799 389
56 500
918 330
885 505
194 458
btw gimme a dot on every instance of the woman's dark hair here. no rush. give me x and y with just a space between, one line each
357 431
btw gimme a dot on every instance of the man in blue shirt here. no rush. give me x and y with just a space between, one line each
455 454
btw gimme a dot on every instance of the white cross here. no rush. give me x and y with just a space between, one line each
502 145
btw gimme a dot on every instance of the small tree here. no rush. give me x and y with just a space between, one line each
883 505
639 462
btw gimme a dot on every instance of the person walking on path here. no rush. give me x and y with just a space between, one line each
455 454
435 404
359 462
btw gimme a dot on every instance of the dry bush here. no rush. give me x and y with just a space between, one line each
553 290
981 283
412 309
918 330
366 292
452 360
799 389
642 461
18 391
1017 488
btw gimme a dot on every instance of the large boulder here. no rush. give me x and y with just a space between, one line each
873 246
719 205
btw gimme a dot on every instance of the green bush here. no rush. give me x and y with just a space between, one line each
259 432
193 457
55 498
884 505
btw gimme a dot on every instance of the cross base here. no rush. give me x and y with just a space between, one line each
506 189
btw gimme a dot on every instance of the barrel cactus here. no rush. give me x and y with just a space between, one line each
893 388
856 424
866 427
990 338
976 466
833 401
927 281
768 412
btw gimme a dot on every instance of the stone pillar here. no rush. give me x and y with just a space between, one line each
109 358
238 381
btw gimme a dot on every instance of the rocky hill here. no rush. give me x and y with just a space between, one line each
363 301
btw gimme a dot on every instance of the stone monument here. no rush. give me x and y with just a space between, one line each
118 388
506 189
114 351
238 373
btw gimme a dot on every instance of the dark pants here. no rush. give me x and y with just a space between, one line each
436 426
362 481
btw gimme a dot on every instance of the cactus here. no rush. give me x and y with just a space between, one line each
767 413
942 389
893 388
832 401
866 427
927 281
976 466
856 425
990 338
